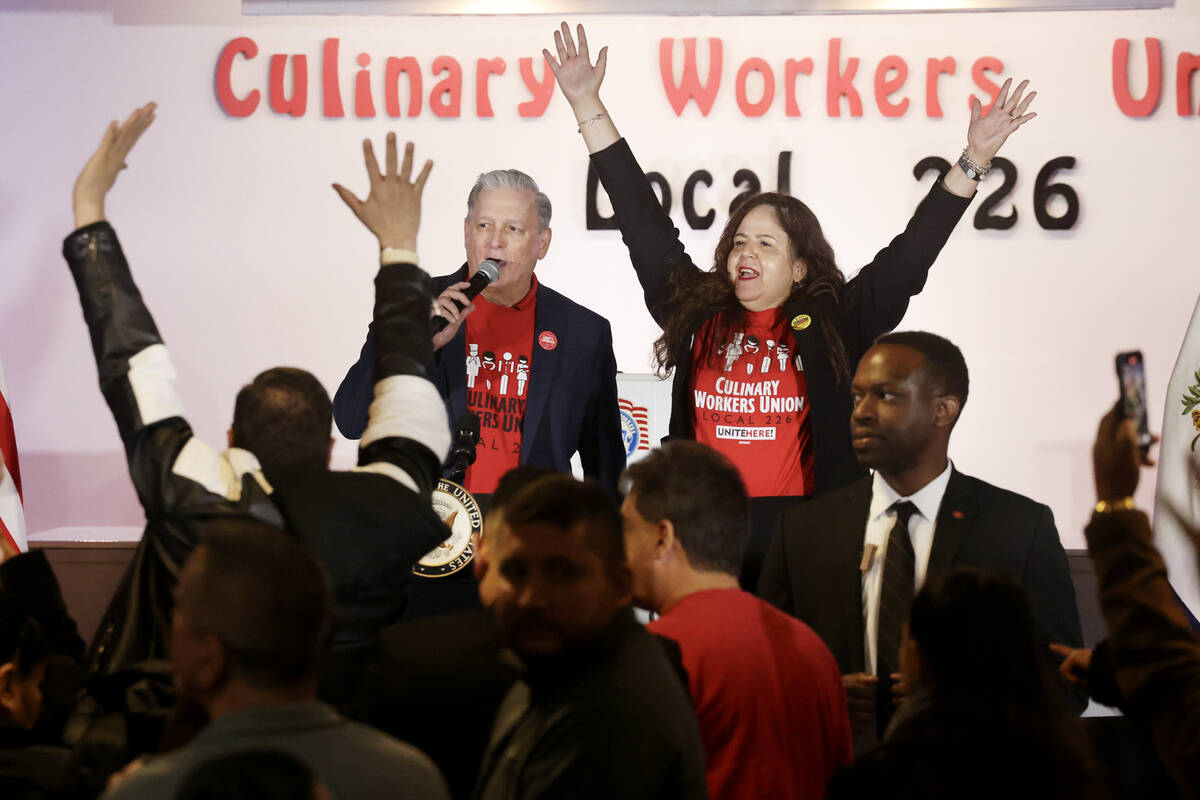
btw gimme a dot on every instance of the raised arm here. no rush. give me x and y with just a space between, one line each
1155 654
655 249
136 374
407 434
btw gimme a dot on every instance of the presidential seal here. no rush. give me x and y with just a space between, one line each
462 516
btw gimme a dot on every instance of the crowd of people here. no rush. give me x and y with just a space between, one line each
834 611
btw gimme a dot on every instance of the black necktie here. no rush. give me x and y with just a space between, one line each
895 602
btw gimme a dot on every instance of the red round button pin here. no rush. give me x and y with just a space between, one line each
548 340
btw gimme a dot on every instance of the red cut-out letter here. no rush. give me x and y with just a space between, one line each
768 96
483 68
296 104
329 79
231 104
841 84
791 69
1184 67
979 72
1120 78
935 67
364 106
541 91
885 87
409 66
445 99
689 87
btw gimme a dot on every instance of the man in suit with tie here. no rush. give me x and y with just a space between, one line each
849 562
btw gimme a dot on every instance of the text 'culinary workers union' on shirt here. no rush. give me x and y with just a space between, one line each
750 402
499 343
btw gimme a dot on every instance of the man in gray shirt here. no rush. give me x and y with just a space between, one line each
251 619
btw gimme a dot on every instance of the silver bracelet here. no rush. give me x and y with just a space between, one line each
973 170
590 120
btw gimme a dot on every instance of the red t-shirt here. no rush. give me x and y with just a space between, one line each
499 343
750 402
768 696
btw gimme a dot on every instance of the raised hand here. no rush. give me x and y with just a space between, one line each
392 210
100 172
580 82
578 79
987 132
1116 457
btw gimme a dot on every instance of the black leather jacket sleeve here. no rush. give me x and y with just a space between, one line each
408 433
137 378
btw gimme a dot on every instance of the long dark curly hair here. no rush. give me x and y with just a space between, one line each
699 296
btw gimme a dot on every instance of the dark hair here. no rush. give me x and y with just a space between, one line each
250 775
563 502
21 641
698 297
975 631
267 600
945 368
702 494
283 417
514 481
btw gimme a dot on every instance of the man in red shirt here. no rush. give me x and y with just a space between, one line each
537 368
766 689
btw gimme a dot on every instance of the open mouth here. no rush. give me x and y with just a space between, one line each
747 273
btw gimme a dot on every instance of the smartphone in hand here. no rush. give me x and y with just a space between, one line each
1131 381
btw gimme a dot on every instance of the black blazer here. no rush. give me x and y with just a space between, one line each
811 571
871 303
572 397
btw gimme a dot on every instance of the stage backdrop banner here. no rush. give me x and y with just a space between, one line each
1078 246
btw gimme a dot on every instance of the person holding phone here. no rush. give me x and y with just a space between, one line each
761 344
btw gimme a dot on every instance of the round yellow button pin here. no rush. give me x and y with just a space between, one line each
801 321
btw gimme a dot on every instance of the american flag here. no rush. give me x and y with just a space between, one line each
12 515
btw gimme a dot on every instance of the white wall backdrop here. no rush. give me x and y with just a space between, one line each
248 259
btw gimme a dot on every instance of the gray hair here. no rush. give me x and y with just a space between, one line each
512 179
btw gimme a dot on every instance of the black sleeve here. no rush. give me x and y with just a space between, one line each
1047 580
874 301
137 377
1102 680
353 397
408 433
601 448
655 249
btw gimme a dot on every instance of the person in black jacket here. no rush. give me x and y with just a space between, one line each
367 526
40 673
763 343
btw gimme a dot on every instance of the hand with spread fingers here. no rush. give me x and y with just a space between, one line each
392 210
100 172
986 133
580 82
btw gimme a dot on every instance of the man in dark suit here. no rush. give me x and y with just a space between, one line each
848 562
537 368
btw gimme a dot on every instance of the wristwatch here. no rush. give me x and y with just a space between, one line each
973 170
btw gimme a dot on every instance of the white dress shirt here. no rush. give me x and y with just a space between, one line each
880 520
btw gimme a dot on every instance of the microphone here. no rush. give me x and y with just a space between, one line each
487 272
462 455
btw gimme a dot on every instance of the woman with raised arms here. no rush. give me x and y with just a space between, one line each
762 344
